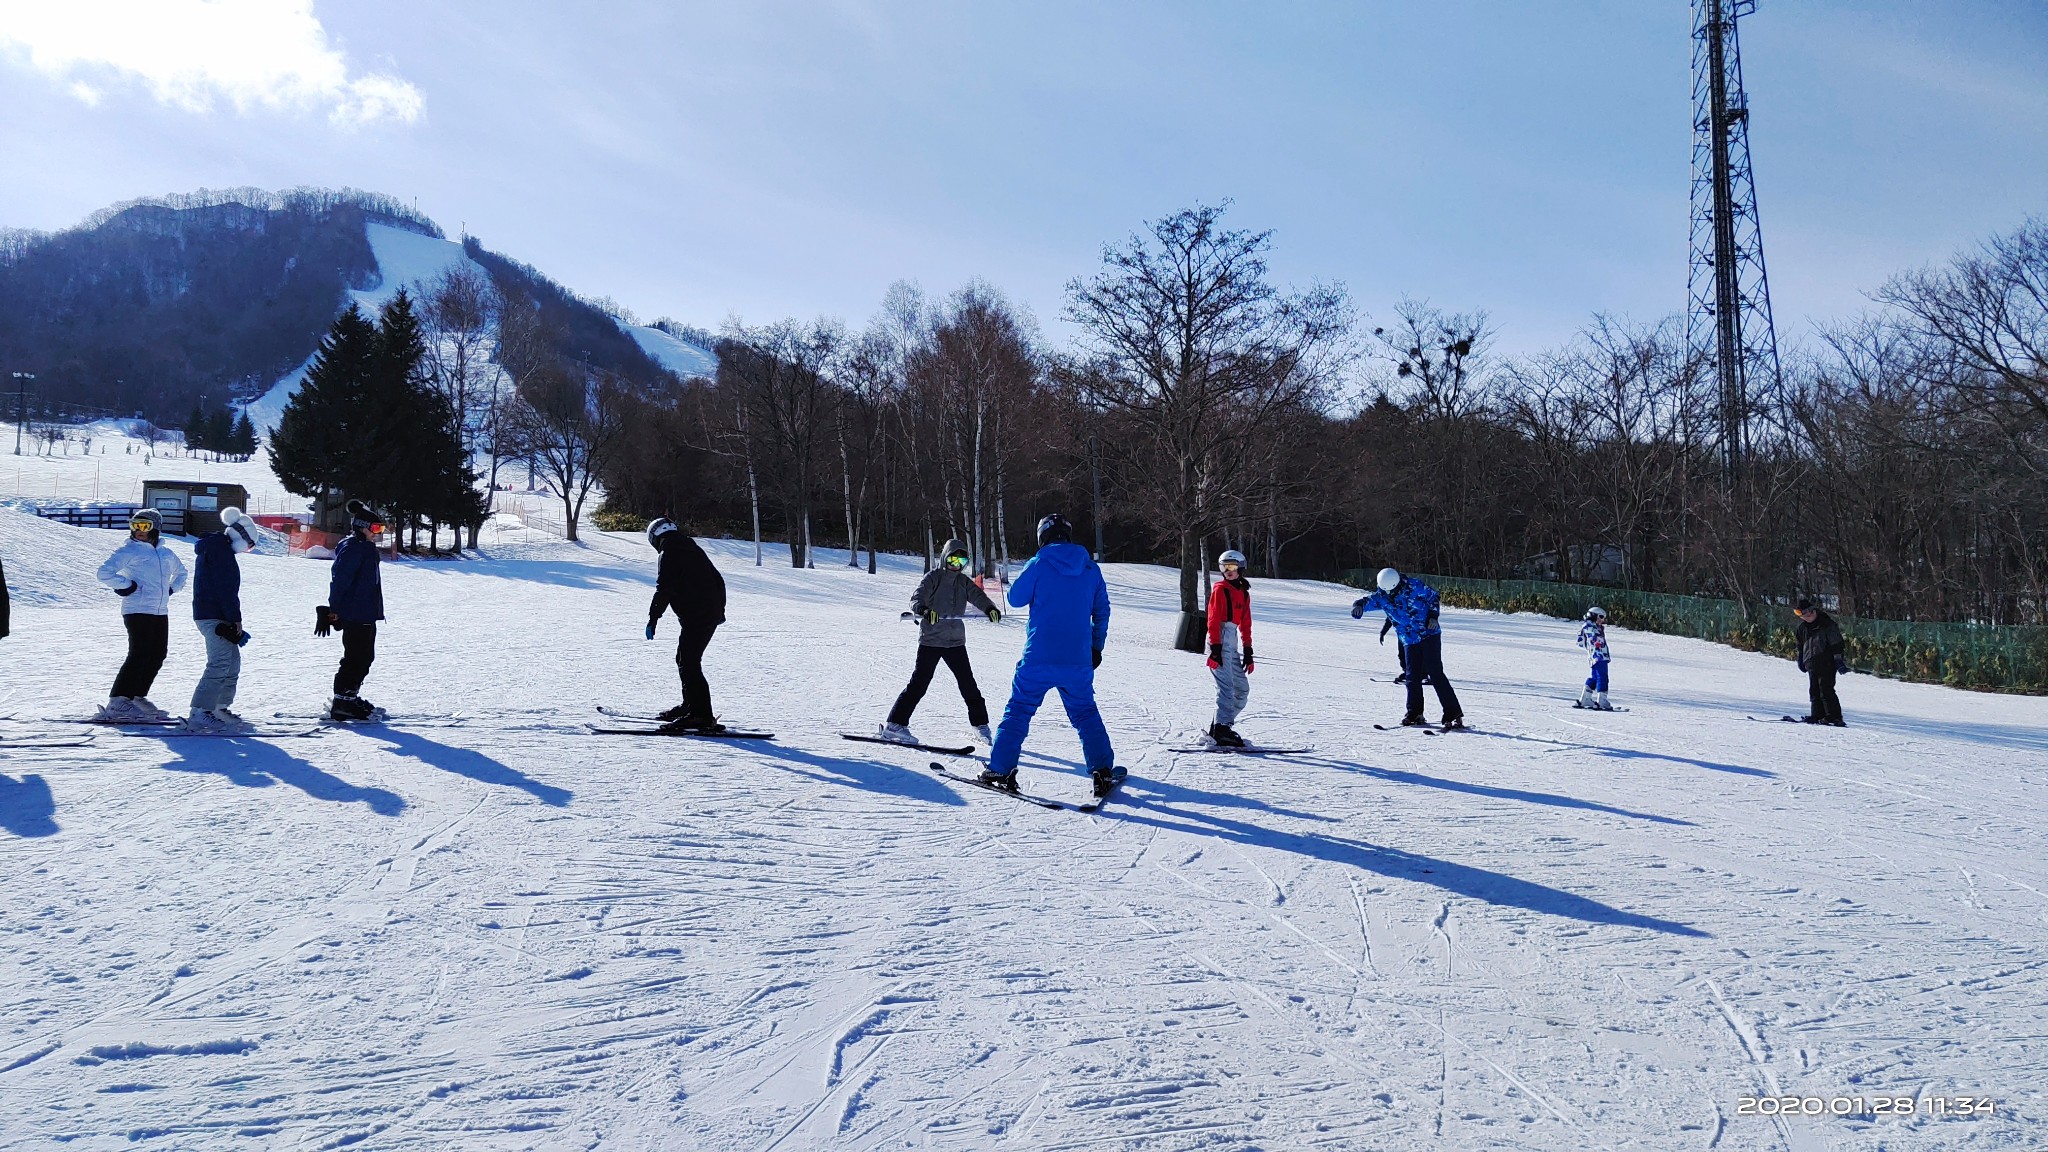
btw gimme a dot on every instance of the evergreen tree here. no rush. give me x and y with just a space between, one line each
316 450
220 432
242 438
196 429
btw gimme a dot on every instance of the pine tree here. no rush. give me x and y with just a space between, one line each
317 450
242 439
220 432
196 430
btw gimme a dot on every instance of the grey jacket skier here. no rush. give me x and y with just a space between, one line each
939 603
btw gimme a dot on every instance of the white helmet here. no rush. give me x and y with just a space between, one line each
1596 613
658 528
1389 580
1233 556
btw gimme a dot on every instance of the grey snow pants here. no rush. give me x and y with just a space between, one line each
216 688
1233 687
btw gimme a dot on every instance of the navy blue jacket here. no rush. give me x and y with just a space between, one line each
1412 606
216 579
355 589
1069 606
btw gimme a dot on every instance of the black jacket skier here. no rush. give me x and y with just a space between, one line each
1822 656
687 583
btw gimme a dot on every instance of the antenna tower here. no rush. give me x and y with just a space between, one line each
1728 315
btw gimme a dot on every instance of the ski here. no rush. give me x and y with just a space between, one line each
26 745
941 749
378 719
1783 719
1247 750
1024 796
169 722
1582 707
726 734
1403 727
1116 781
251 734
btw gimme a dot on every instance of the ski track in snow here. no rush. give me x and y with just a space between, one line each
1567 931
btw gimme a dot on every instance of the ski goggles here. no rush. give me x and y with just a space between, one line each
139 524
956 561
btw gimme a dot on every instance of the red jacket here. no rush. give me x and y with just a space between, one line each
1230 602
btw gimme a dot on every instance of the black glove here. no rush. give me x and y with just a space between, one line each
995 616
1358 608
1215 656
129 590
230 632
323 620
1247 659
1841 665
1095 661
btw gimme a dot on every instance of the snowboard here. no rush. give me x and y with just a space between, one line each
941 749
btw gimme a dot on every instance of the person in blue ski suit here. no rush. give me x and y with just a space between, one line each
1063 640
1412 607
1593 638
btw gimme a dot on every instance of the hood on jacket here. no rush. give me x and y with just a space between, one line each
1066 559
955 545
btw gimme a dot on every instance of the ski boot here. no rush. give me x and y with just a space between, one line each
1000 781
1401 679
1414 721
1452 724
117 710
1602 703
987 737
671 715
1100 781
147 711
694 725
350 707
896 734
1224 736
1811 720
1588 700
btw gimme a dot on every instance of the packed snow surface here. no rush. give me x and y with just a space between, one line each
678 356
1566 930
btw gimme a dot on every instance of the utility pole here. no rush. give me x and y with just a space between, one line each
21 381
1729 330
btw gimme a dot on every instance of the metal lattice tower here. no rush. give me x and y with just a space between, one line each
1728 316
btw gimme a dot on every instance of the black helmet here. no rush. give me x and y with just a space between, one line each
657 528
361 515
1054 529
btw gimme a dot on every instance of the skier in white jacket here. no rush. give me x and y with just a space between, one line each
145 575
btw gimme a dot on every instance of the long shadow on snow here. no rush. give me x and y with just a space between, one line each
253 763
26 806
1399 776
1460 879
1627 753
468 763
561 573
865 775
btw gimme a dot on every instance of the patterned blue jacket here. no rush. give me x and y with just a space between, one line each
1412 606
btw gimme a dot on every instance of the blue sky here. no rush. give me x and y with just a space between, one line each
771 159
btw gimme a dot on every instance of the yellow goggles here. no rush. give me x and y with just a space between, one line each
140 525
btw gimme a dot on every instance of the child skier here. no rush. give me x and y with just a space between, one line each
1593 638
1063 642
1230 602
1412 606
145 575
355 602
941 599
217 610
687 582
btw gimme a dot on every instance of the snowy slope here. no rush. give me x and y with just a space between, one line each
1569 931
679 356
404 259
113 466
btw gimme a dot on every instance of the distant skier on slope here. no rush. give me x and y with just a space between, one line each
1412 606
1823 655
939 603
355 603
687 582
1063 642
1593 638
145 575
217 611
1230 648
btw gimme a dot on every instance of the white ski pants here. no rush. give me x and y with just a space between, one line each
1233 687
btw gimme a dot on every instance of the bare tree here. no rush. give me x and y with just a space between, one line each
568 422
1186 342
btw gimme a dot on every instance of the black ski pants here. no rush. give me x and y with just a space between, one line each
690 648
1426 662
928 657
358 652
149 641
1820 692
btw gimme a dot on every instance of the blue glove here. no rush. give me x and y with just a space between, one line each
1841 665
1358 608
650 629
244 641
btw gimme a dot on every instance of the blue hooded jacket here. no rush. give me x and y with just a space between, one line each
355 588
216 579
1412 606
1069 606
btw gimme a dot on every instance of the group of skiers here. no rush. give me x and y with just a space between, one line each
1064 638
146 575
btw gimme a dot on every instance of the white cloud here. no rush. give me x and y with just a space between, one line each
190 54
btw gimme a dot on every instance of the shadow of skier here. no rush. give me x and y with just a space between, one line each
253 763
866 775
467 763
26 807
